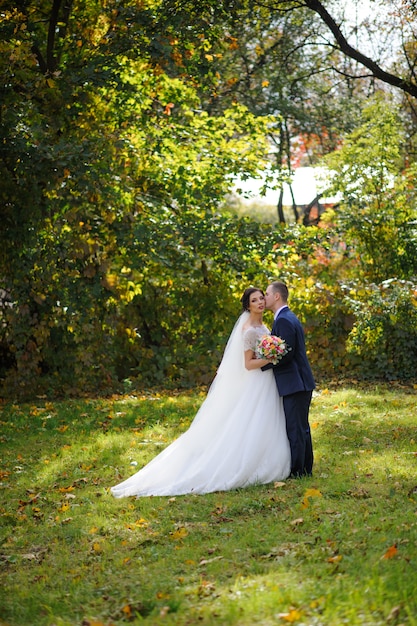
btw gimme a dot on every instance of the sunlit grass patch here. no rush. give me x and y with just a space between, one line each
339 548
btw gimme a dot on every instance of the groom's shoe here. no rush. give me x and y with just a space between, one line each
301 475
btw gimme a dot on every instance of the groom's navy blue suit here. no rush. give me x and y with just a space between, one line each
295 384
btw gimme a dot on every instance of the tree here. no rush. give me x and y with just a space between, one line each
121 129
406 83
102 151
313 111
377 210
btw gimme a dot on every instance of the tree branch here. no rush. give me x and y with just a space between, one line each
53 20
391 79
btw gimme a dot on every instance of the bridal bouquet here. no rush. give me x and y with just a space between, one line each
272 348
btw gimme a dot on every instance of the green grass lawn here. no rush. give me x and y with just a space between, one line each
338 548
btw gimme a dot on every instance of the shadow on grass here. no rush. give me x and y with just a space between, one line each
313 550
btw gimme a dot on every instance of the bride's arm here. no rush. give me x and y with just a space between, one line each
252 363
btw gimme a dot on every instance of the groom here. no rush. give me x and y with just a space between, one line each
293 378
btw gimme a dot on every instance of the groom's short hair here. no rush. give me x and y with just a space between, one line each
282 289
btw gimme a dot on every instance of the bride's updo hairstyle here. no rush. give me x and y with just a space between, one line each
246 297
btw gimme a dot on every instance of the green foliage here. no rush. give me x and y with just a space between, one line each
314 262
378 208
119 261
384 334
304 549
111 175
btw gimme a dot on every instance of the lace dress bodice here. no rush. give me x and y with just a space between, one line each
252 336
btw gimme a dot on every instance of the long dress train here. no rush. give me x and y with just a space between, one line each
237 438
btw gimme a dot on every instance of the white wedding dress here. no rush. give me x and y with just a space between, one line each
237 438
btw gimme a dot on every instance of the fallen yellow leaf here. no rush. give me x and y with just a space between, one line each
312 493
293 616
180 533
335 559
141 522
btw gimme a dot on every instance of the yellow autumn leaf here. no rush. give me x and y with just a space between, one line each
180 533
335 559
312 493
97 547
293 616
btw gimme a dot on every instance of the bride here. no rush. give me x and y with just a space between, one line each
238 436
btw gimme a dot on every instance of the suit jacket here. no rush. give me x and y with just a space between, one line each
293 373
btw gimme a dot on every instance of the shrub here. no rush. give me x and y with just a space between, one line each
384 334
